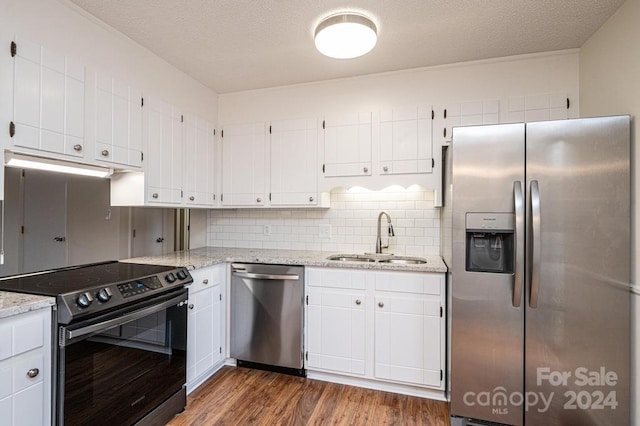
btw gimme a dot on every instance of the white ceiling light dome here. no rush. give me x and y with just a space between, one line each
346 36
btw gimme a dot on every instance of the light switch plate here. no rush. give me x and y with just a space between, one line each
324 232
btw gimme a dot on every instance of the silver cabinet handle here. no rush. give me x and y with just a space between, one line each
311 199
33 373
205 281
77 147
190 306
385 168
535 243
192 198
358 302
380 304
518 203
365 169
154 195
265 276
105 153
258 200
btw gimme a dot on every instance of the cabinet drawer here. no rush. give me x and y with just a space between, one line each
421 283
208 277
26 366
21 334
338 278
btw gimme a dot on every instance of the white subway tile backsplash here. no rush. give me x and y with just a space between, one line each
353 220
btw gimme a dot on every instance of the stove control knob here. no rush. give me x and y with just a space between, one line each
181 275
103 295
170 278
84 300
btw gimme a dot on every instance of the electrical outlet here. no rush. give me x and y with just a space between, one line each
266 230
324 232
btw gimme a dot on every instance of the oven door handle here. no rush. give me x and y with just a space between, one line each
70 336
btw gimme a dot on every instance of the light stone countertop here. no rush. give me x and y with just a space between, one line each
18 303
207 256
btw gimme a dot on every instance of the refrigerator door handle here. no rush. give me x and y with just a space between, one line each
535 244
518 203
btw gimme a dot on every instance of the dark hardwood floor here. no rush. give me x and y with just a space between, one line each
240 396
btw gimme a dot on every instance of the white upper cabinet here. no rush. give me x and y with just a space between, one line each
294 162
48 100
243 159
200 164
464 114
164 152
118 120
539 107
347 145
405 141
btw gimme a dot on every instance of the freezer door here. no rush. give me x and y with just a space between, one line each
577 289
487 322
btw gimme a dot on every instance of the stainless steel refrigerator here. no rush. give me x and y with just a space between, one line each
540 272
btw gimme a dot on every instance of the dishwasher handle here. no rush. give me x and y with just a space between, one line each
266 276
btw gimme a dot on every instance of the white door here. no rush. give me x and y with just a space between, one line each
294 162
44 241
405 141
152 231
243 165
336 330
407 339
347 145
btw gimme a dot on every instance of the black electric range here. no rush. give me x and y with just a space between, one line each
87 290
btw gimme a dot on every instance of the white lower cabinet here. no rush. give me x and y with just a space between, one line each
205 324
25 369
378 325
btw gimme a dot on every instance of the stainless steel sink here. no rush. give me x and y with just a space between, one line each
404 261
380 258
345 258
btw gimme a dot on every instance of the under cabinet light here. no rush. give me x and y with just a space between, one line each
38 163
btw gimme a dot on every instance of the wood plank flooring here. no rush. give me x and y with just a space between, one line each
240 396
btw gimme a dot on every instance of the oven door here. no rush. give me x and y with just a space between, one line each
116 368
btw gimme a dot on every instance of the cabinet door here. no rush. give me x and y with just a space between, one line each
408 339
118 109
465 114
336 330
199 161
405 141
164 152
243 165
539 107
347 145
294 162
48 100
217 326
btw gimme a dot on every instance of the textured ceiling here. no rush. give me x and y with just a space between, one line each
234 45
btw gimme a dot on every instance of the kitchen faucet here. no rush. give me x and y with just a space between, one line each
390 232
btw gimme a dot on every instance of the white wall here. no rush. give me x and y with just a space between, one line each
352 216
610 84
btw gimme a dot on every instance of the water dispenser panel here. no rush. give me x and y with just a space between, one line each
490 242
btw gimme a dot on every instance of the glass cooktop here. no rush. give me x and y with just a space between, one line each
78 278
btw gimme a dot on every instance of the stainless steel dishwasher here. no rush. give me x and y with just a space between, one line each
267 317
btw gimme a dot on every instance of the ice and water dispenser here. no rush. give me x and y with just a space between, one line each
490 242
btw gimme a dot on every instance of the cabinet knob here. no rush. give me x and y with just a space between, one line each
258 200
77 147
385 168
311 199
205 281
33 373
154 195
365 169
192 198
358 302
105 153
190 306
381 304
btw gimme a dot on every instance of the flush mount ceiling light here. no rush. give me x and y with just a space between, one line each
345 36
